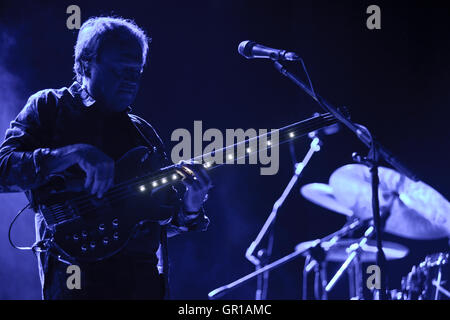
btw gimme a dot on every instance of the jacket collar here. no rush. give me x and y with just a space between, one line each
80 93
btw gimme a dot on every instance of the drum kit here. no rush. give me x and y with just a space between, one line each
411 210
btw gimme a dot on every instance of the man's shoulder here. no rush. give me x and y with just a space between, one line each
42 105
48 95
45 103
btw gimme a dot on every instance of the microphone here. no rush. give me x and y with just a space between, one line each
252 50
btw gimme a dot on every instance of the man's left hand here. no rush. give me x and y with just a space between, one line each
197 185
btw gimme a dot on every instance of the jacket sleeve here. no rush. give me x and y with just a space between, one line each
181 220
22 157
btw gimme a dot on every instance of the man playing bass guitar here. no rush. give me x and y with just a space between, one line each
83 132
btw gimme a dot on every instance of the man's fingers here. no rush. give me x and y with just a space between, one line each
100 183
203 175
191 183
200 173
90 175
199 180
104 177
102 188
109 182
99 170
96 184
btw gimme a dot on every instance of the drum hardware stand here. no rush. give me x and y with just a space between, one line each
315 261
437 282
332 239
263 255
439 289
377 151
355 279
355 275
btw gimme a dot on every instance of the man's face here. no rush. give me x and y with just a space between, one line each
115 75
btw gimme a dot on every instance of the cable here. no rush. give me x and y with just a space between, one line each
309 79
10 227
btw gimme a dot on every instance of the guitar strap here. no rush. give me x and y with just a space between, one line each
153 142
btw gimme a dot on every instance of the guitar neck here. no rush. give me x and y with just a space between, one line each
234 153
238 152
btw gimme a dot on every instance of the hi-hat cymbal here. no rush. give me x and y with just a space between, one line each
417 211
339 253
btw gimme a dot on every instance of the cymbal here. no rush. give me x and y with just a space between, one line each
338 252
322 195
417 211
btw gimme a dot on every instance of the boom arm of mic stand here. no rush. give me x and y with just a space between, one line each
361 134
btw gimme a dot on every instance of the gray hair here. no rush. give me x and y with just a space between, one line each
93 33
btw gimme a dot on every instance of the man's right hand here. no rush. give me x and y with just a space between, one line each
99 168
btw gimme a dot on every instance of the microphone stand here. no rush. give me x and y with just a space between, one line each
372 160
332 238
264 254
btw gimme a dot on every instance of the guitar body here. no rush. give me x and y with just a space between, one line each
89 229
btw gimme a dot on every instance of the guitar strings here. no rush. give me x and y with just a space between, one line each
84 202
321 121
119 194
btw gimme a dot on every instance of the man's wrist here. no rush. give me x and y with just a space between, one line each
61 158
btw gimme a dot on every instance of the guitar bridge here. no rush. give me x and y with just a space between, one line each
58 213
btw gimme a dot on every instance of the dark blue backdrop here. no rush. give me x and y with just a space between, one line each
394 80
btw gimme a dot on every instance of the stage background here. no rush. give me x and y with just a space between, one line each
395 81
